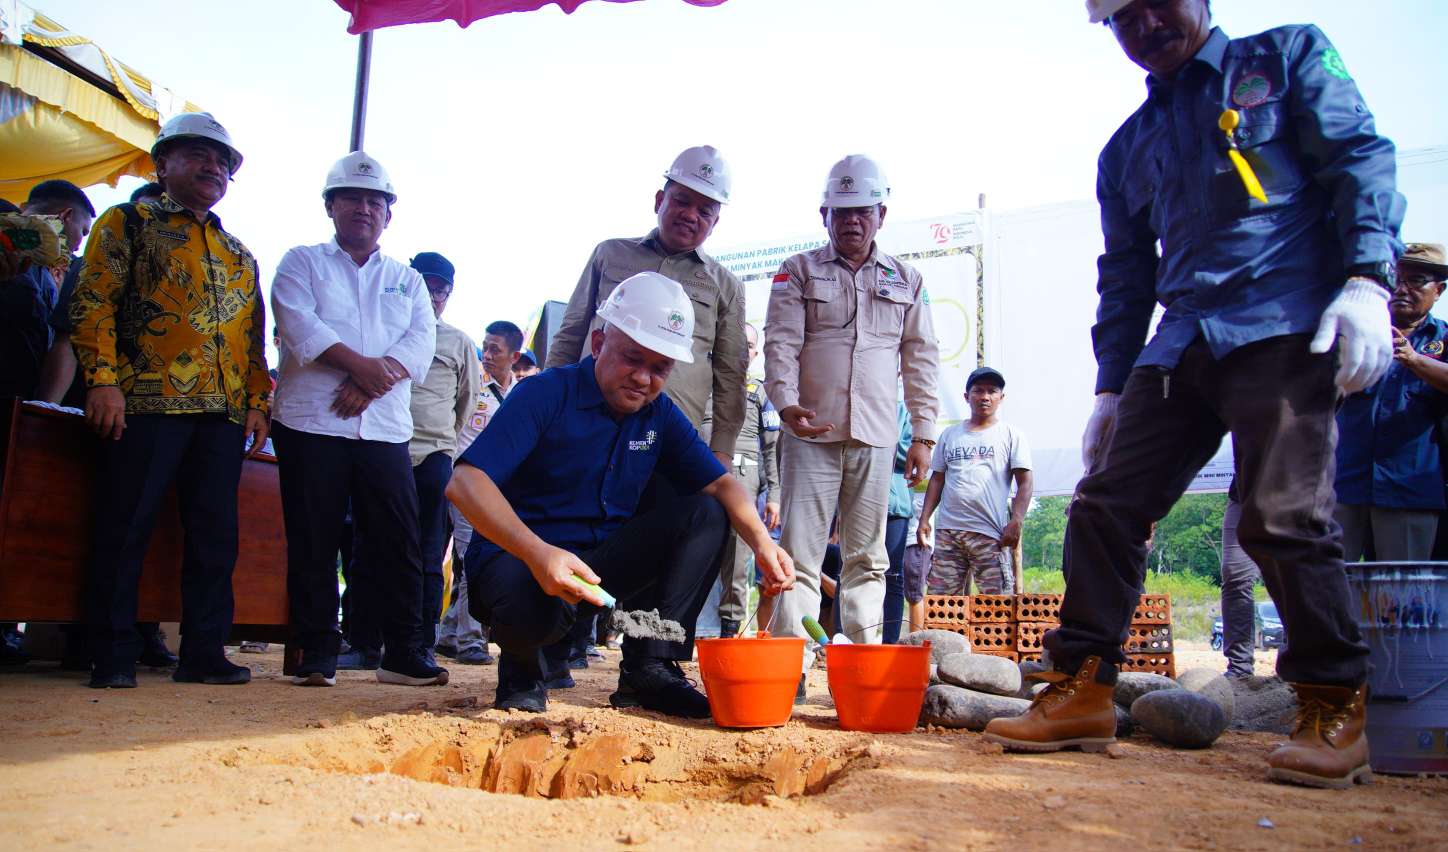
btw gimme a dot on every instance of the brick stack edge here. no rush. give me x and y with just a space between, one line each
1012 626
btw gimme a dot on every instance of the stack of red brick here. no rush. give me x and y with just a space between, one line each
1012 626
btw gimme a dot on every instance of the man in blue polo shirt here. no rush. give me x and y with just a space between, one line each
1389 474
553 492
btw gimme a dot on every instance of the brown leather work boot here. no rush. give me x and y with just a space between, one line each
1328 747
1070 711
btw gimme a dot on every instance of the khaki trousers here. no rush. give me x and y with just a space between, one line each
816 480
736 569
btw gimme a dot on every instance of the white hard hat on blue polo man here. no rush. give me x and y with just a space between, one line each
196 125
655 312
856 181
359 171
1100 10
703 170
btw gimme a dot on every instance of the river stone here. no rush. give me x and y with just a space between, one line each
1030 687
1179 718
982 672
943 643
1264 704
953 707
1210 683
1124 725
1132 685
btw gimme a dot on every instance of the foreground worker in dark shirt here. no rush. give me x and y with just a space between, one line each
552 490
1277 242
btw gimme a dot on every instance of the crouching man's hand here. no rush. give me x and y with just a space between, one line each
776 567
558 571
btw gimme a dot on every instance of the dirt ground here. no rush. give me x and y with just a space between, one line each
270 765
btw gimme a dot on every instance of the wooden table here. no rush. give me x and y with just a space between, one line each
47 501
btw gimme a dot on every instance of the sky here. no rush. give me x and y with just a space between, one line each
519 143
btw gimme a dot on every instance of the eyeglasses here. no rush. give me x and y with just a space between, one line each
1417 283
439 290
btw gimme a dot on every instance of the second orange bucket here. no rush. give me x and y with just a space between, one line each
751 681
878 688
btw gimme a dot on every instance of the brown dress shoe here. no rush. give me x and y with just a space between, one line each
1328 747
1070 711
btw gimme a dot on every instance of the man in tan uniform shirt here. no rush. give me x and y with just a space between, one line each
688 208
845 323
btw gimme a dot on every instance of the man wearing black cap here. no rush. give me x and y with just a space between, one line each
1389 474
972 468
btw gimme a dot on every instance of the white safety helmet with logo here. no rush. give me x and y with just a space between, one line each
856 181
196 125
655 312
359 171
703 170
1100 10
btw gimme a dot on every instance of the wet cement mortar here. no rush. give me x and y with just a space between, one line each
275 766
647 624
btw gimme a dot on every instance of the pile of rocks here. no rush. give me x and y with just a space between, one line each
968 690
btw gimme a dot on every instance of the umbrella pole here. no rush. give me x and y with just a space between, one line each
359 97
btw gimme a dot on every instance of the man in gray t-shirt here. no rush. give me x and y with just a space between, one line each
972 468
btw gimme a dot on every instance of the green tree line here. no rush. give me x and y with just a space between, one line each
1188 540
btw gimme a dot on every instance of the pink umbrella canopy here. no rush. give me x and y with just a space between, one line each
374 14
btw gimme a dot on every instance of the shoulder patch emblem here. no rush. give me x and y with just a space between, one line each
1332 63
1434 347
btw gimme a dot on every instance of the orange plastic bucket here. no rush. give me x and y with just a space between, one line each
878 688
751 681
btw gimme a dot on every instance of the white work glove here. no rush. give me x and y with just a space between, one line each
1359 317
1099 429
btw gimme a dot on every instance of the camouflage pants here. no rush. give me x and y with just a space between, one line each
961 555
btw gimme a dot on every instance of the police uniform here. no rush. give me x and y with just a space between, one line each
837 341
757 469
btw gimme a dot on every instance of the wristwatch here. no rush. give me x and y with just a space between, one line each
1382 272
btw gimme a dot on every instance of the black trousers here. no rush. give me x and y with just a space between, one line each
664 559
319 475
1278 402
431 477
202 454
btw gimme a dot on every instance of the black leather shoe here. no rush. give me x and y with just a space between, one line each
217 672
154 653
112 680
520 685
659 685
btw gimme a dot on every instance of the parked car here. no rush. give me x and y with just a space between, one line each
1268 632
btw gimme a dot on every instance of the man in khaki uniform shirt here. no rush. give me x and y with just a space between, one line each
441 406
688 208
845 322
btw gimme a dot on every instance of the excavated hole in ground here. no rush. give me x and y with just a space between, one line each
572 758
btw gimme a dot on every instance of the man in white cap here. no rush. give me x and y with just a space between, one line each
846 324
1252 197
168 329
695 189
357 329
550 533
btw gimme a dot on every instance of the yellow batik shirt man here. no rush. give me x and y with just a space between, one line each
168 309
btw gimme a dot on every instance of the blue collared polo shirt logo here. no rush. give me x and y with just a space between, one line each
646 444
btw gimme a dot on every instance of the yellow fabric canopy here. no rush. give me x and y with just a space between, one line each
59 125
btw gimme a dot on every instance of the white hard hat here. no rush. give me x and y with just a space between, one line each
703 170
654 311
1100 10
359 171
856 181
196 125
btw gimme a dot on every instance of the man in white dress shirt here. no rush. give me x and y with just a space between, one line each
357 329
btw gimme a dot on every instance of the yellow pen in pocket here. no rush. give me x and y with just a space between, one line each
1228 121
